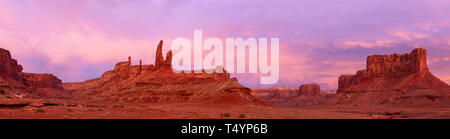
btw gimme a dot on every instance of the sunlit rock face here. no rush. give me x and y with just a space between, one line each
393 79
9 67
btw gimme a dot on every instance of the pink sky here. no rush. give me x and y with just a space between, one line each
319 40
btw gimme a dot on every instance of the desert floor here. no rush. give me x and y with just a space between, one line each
76 110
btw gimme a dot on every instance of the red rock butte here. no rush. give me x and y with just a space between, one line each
159 84
127 83
309 90
393 80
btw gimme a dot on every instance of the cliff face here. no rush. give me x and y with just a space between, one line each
388 66
393 79
158 83
397 65
9 67
14 81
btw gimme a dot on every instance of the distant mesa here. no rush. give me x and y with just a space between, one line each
393 80
275 95
309 90
283 96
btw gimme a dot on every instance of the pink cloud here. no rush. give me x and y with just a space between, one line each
87 44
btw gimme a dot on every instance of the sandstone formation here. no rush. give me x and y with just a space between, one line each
159 84
10 72
275 95
13 81
159 60
36 81
393 80
308 94
9 67
309 90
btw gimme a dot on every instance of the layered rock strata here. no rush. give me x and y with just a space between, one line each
393 80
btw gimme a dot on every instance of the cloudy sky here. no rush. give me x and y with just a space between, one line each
319 39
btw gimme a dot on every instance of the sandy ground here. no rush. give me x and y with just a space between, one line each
209 111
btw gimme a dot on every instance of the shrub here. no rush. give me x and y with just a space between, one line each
40 111
242 116
226 115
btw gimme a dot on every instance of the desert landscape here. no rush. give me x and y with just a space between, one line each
392 86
